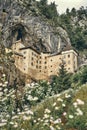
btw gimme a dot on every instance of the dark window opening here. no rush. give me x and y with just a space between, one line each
45 62
45 67
68 56
32 63
19 36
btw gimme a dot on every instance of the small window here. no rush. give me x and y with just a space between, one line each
32 63
32 53
51 71
68 56
45 57
40 70
51 60
45 67
24 52
32 58
39 67
40 57
36 66
51 65
45 62
40 62
24 68
24 57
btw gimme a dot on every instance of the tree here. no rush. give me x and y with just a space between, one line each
62 81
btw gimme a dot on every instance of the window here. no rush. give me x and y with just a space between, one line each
24 57
36 66
45 62
45 67
40 62
51 65
24 52
32 63
39 67
51 60
51 71
68 56
40 70
32 58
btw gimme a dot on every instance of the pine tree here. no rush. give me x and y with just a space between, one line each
62 81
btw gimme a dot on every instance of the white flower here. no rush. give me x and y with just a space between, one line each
71 116
2 124
11 123
47 111
56 108
59 99
1 84
3 75
67 95
63 105
1 93
46 116
80 102
29 112
52 128
57 121
79 112
75 104
54 104
16 125
26 118
64 113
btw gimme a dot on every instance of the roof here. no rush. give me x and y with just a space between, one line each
69 47
29 47
16 53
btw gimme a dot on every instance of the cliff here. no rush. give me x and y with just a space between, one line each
21 19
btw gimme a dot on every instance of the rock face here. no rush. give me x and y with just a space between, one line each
21 20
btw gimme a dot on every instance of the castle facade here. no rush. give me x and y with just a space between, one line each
43 65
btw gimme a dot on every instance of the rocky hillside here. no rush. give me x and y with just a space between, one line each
22 19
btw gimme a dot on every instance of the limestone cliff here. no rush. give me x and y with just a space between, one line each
21 19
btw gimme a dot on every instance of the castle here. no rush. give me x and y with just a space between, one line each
43 65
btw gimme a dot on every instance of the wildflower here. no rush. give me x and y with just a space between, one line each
64 114
29 112
47 111
46 116
56 108
2 124
59 99
80 102
67 95
3 75
0 84
54 104
75 104
79 112
57 121
63 105
71 116
11 123
52 128
16 125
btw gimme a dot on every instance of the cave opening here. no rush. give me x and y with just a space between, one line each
19 36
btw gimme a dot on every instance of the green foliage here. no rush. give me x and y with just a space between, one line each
62 81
